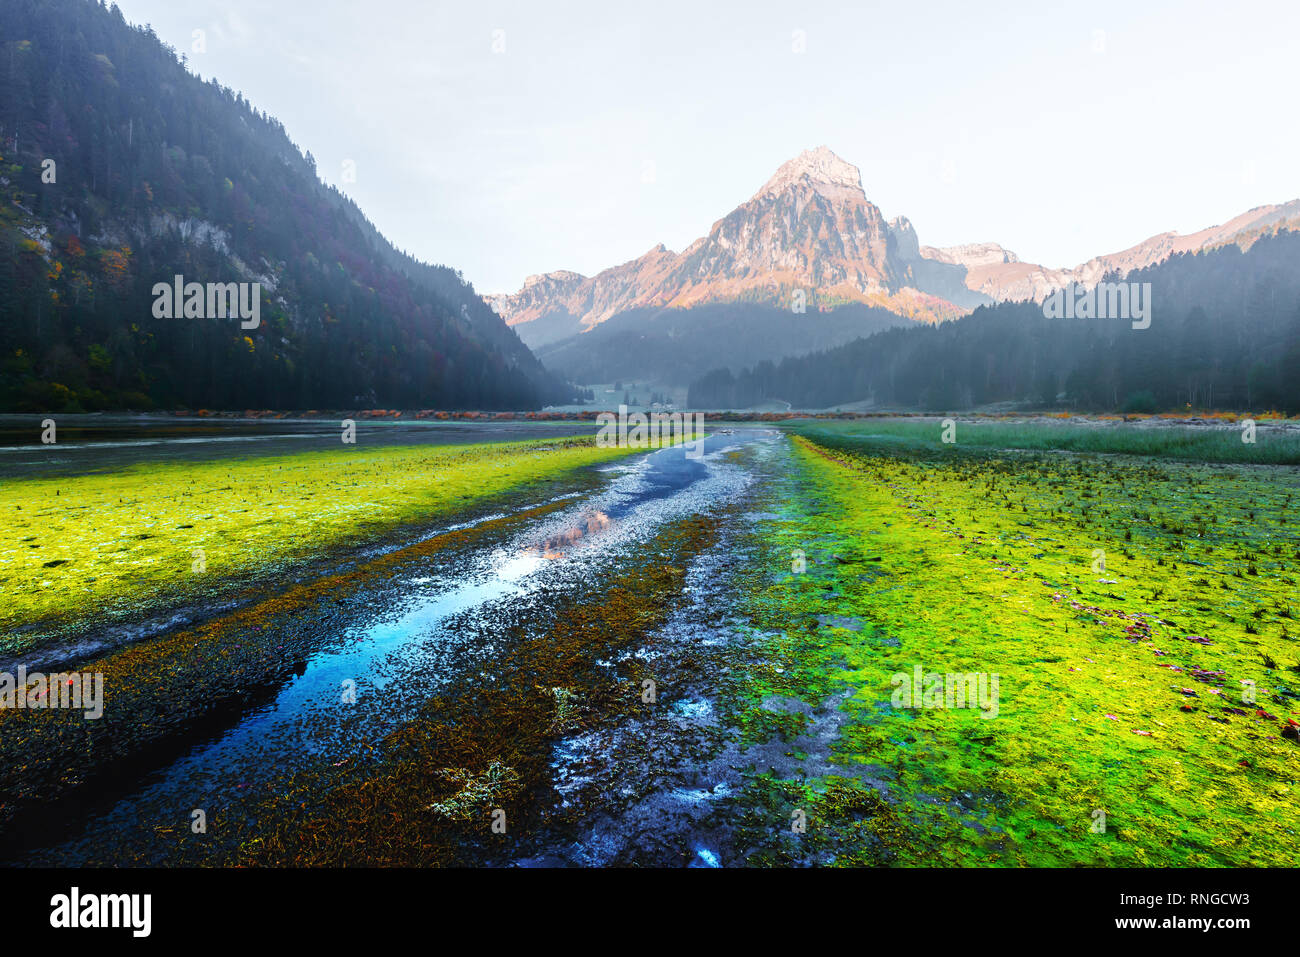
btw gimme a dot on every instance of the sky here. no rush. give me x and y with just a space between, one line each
506 139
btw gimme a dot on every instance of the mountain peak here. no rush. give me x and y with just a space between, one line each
821 167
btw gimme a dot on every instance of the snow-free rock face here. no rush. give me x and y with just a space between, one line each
906 243
971 254
819 169
811 228
999 274
1242 230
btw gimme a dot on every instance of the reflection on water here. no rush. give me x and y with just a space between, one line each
553 548
90 443
397 644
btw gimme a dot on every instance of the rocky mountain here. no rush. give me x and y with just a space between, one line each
120 170
1224 333
812 228
998 273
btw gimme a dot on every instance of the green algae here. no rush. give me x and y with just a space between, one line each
1120 689
159 690
974 562
100 546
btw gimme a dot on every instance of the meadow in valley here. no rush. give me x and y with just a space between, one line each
645 657
1138 610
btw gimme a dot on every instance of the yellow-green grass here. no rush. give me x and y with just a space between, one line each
90 547
986 565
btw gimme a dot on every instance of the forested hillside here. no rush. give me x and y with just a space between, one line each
1224 333
119 169
678 345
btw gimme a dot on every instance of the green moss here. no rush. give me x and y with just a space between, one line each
1120 690
100 545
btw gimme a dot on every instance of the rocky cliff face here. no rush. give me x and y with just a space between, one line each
999 274
811 228
971 255
1242 230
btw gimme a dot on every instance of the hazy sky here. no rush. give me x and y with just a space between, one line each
582 134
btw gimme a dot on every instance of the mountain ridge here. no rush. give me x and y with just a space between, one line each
812 227
1013 280
1224 333
809 227
154 172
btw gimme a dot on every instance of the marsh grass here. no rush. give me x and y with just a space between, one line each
1121 690
102 547
161 690
1200 443
429 798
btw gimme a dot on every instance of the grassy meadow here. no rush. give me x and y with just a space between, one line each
95 546
1140 615
1277 442
1132 588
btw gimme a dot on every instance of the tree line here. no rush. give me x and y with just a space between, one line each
1224 333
